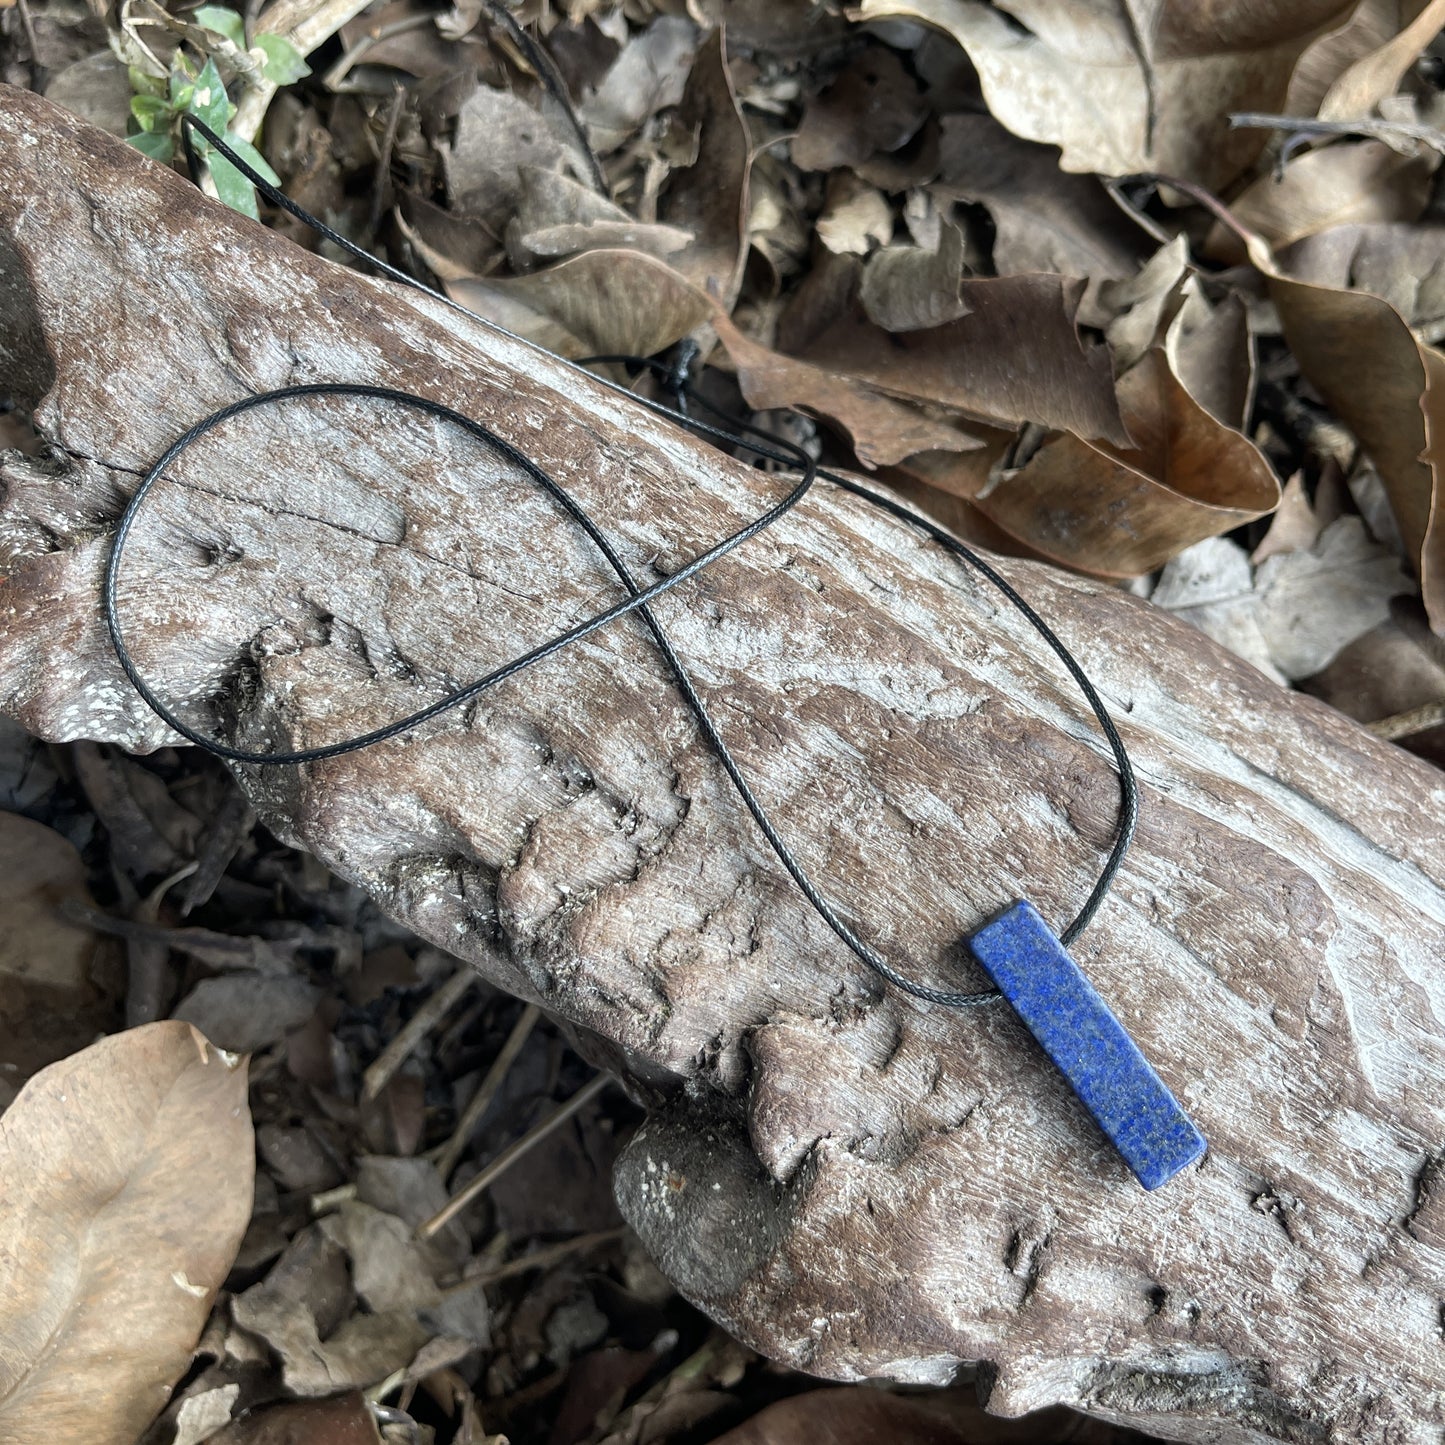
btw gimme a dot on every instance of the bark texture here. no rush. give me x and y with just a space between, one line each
850 1180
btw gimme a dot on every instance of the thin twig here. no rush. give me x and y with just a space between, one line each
481 1101
1407 724
416 1028
511 1154
383 161
37 70
1372 127
1254 244
538 1259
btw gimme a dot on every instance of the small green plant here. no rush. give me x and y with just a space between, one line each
159 102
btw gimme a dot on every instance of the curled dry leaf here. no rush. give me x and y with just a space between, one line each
1294 526
305 1308
1377 74
1123 88
1341 184
125 1187
204 1413
883 429
1212 353
600 301
856 217
1142 306
1372 25
1045 219
558 216
1388 387
1123 511
304 1311
1014 356
710 197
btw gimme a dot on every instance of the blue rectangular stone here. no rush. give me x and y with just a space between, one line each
1103 1065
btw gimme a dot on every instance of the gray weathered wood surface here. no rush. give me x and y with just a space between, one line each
852 1181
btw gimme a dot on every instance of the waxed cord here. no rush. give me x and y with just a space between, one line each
676 379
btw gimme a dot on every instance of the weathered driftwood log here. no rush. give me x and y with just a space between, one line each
852 1181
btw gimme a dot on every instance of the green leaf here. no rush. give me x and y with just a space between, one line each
223 22
252 157
143 83
182 84
209 103
151 112
233 188
284 63
158 145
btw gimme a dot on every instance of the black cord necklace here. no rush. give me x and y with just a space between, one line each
1026 961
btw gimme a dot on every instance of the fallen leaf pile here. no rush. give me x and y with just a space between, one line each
1154 291
1091 282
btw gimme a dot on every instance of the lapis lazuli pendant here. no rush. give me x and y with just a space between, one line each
1103 1065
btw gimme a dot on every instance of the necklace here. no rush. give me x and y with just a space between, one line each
1028 965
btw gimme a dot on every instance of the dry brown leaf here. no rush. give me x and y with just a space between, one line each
1143 305
710 197
1211 351
600 301
1016 355
649 74
1389 389
882 428
484 177
125 1187
856 217
48 1005
345 1420
906 288
245 1012
1121 88
558 216
1293 614
1373 24
1405 265
1373 76
418 49
1045 219
944 1417
1294 525
1395 668
1123 512
452 245
874 105
303 1311
95 88
204 1413
778 234
1341 184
